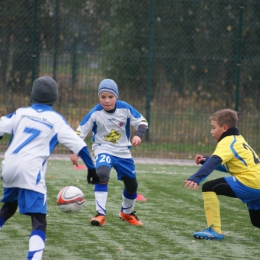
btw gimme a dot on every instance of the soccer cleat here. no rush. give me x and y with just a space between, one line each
98 220
208 234
130 218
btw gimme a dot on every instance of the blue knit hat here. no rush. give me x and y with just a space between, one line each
108 85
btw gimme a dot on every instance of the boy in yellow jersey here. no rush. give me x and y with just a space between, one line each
232 155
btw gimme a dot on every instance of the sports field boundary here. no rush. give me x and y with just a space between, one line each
139 160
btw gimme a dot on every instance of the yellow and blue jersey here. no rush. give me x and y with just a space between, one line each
240 160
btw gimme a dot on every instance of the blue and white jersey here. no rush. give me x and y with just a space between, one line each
111 131
35 131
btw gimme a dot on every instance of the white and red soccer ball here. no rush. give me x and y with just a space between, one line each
70 199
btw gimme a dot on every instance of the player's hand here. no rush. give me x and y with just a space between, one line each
199 159
189 184
92 176
136 140
74 159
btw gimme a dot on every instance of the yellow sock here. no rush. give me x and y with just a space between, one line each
212 210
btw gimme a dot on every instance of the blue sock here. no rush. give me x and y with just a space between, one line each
2 221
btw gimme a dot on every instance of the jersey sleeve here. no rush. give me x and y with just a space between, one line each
85 156
136 118
68 137
87 124
206 169
7 124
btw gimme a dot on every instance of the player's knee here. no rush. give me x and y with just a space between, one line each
39 222
9 208
103 172
131 185
255 217
206 187
255 224
13 207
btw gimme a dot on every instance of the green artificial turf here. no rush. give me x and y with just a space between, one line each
170 215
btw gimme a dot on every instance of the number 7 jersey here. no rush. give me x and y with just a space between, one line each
240 160
35 132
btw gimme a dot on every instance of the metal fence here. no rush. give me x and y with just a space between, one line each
176 61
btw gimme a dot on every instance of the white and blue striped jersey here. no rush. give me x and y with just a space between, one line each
111 131
35 132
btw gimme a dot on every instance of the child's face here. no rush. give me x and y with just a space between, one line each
217 130
107 100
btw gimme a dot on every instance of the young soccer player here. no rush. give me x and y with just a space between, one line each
110 123
232 155
35 131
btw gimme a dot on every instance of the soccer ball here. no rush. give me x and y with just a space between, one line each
70 199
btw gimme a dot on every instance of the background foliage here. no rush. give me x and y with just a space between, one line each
176 61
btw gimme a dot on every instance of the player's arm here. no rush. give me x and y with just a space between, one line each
82 131
200 159
74 158
6 124
212 163
137 138
92 176
139 123
141 130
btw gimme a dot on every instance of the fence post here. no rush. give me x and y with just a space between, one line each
34 40
56 35
150 66
241 7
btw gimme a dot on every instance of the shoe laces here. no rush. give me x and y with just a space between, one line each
133 214
210 228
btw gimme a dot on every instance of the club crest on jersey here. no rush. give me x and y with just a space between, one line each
121 124
113 136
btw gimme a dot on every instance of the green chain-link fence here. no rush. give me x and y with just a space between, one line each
176 61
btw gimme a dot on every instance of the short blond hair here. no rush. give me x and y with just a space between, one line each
225 117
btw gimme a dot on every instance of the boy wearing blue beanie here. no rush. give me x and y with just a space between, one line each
110 123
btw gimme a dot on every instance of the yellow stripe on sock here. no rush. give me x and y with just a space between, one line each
212 210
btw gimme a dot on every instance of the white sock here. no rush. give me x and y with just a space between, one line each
36 245
127 204
101 200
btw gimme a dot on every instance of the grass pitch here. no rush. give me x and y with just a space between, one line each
170 215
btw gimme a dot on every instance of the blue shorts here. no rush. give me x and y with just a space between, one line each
29 201
247 195
124 167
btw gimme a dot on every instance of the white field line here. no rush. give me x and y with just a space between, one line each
180 162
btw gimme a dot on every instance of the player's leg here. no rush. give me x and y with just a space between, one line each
254 211
210 190
38 236
34 204
103 166
249 196
10 204
126 172
7 211
255 217
129 194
